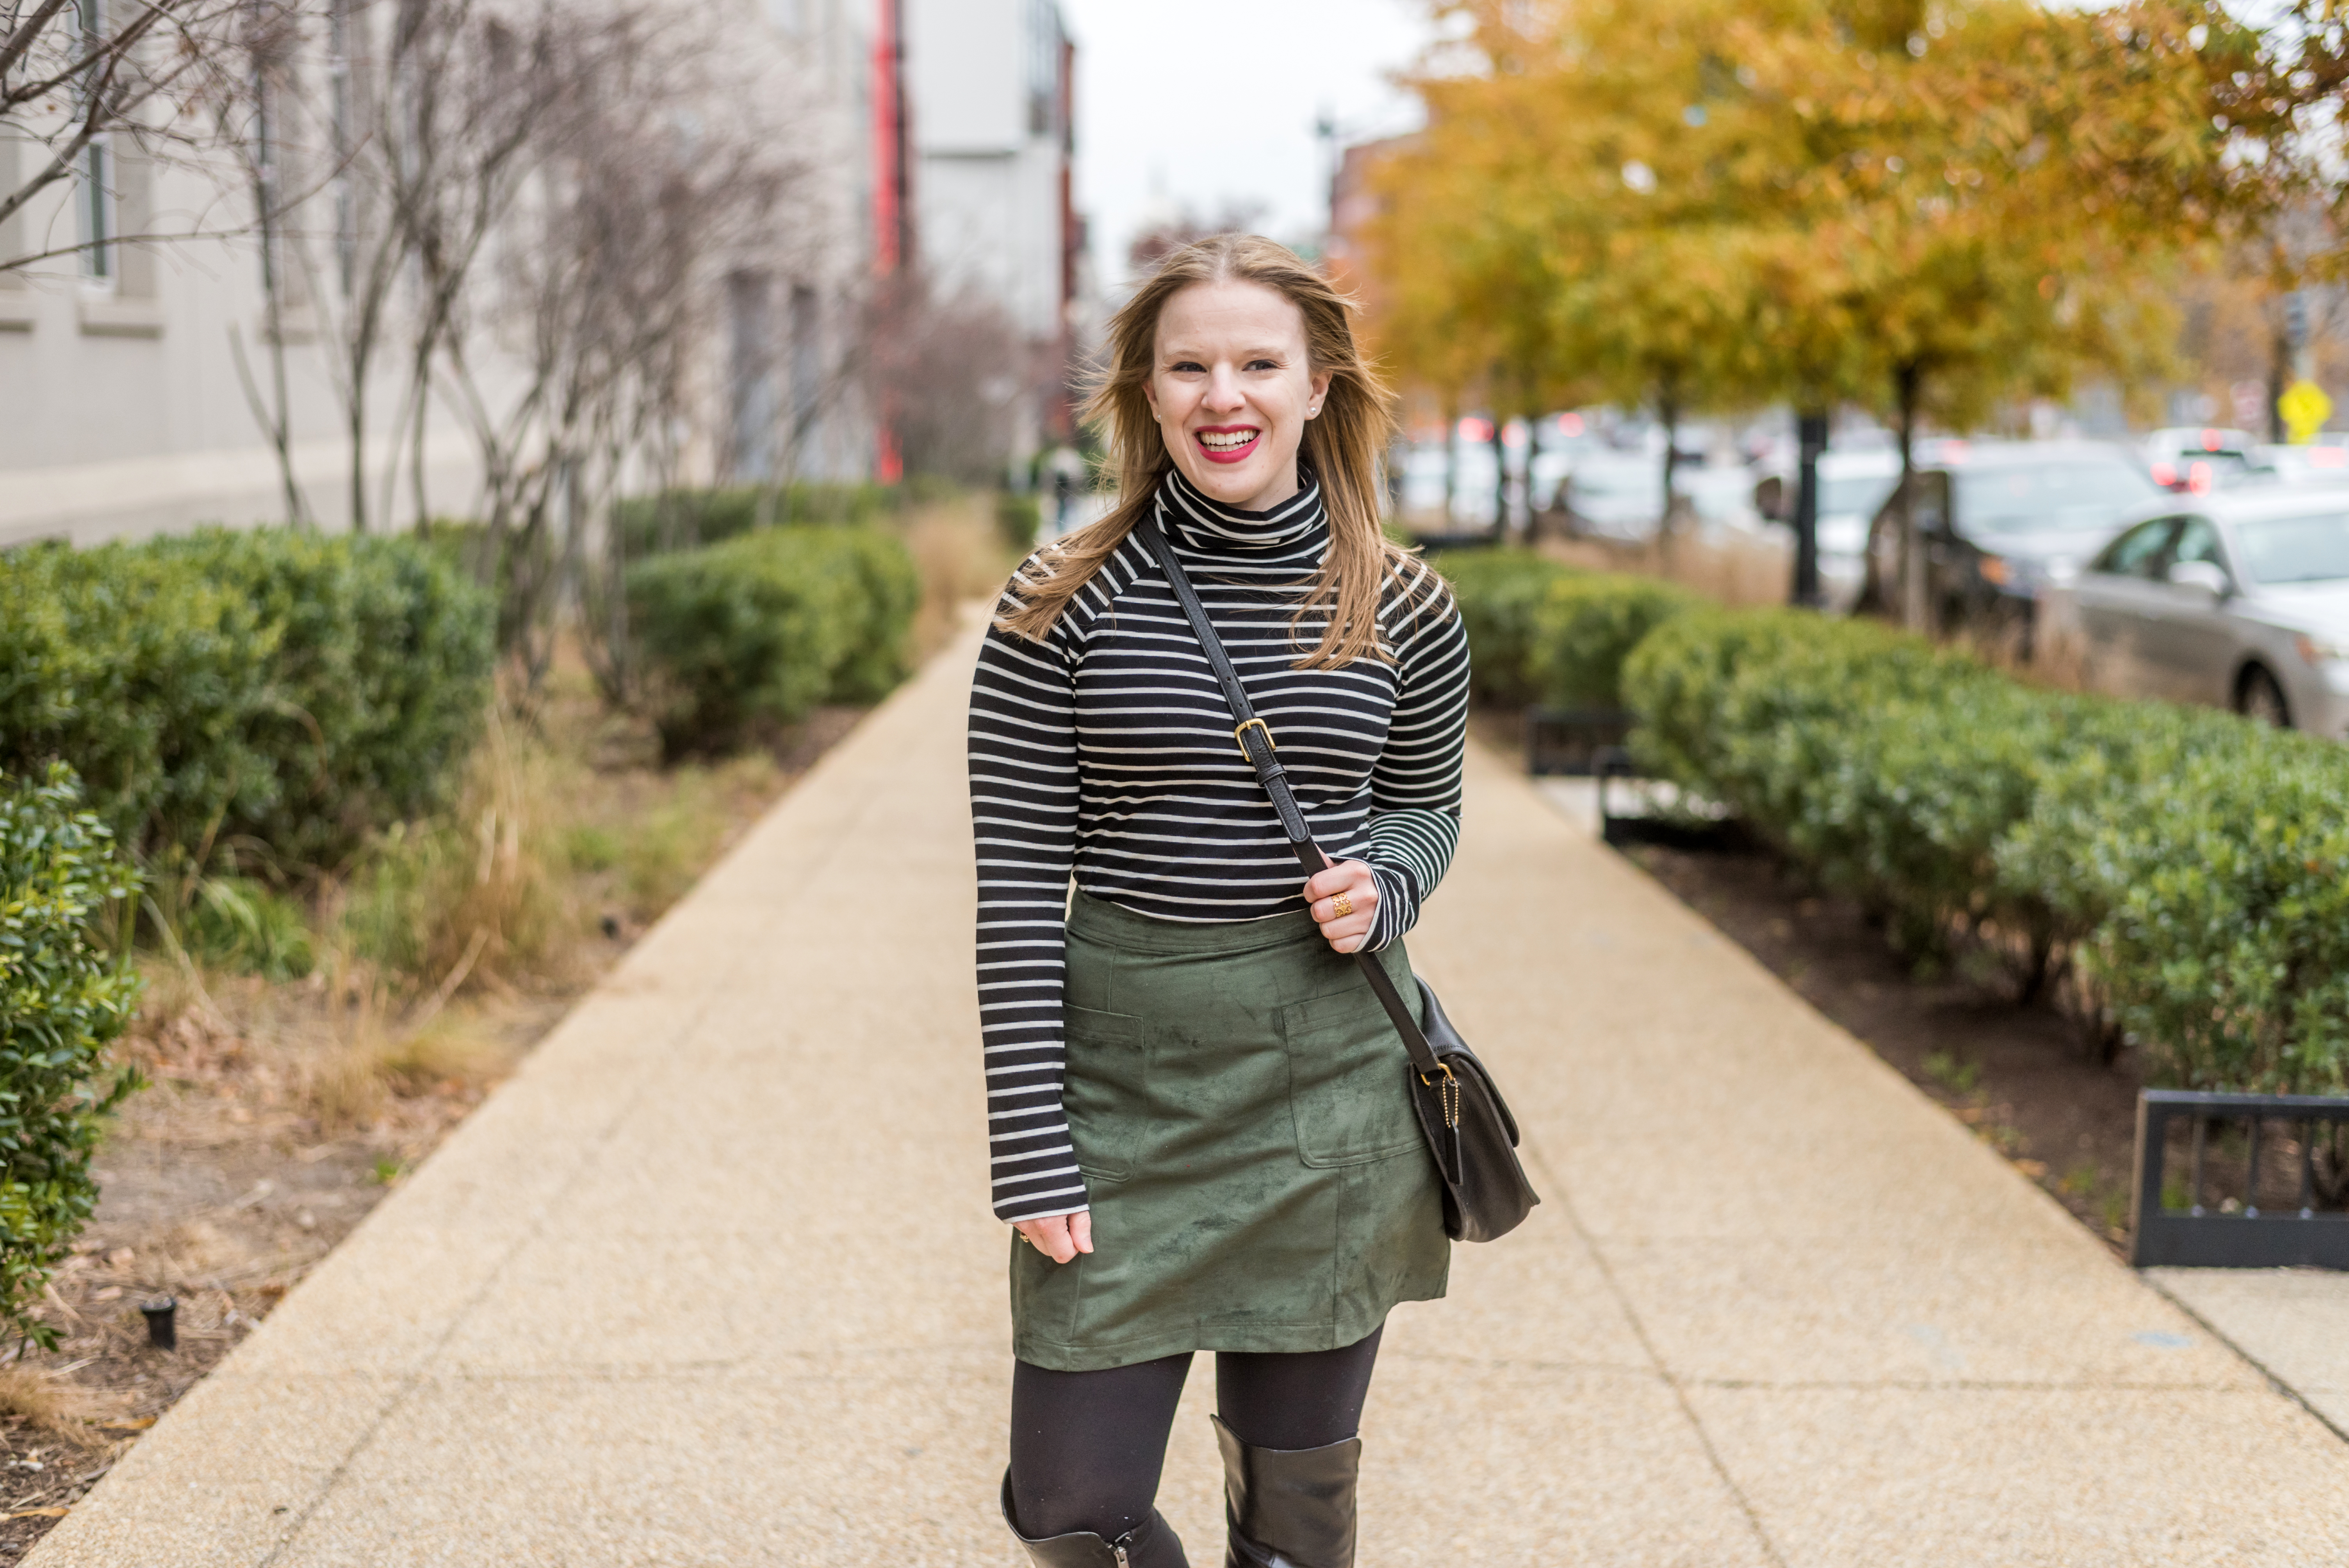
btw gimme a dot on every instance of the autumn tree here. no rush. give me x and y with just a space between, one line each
1928 210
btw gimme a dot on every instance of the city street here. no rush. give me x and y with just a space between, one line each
713 1279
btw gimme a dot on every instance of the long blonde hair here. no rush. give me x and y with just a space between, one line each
1342 447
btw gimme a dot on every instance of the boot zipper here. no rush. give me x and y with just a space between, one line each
1122 1562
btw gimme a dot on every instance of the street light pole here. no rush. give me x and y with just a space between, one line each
1810 441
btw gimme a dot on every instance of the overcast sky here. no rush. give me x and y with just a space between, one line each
1206 104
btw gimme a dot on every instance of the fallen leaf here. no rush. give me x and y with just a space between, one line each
141 1425
37 1513
2035 1169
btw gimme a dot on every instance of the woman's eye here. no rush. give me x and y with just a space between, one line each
1190 365
1262 365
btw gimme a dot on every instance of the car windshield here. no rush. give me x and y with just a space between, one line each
2073 493
1855 492
2309 549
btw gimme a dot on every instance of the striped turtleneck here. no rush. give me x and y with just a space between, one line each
1104 753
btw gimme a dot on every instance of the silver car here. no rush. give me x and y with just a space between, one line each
2238 600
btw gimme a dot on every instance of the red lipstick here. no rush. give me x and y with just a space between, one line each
1233 454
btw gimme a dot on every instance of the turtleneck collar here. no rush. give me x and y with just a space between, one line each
1206 527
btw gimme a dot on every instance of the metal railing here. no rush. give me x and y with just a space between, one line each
2249 1197
1567 742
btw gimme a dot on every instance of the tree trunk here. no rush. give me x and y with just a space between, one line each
1667 410
1916 609
1500 480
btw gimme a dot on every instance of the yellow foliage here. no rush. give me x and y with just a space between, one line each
1686 201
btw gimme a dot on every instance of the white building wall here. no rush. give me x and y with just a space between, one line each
122 412
988 184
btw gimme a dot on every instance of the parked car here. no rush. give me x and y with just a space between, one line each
2323 459
1614 495
2241 603
2003 520
2201 458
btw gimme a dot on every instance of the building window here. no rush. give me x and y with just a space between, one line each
1043 66
99 229
751 376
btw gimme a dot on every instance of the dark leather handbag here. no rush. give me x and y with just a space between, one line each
1468 1125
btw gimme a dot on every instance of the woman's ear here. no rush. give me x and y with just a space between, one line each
1320 383
1150 395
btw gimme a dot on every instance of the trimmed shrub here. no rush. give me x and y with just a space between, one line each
2193 866
264 695
750 635
1499 591
63 998
1585 626
687 519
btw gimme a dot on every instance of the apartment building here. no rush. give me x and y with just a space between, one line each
992 89
142 380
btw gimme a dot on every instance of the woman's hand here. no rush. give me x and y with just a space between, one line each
1350 887
1061 1237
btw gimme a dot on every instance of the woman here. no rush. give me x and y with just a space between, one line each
1198 1114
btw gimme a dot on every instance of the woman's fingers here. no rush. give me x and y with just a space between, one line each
1051 1238
1353 881
1081 1231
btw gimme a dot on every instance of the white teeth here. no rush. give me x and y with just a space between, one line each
1228 440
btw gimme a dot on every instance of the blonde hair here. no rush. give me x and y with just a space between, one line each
1343 446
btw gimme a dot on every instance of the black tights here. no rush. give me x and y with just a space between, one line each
1087 1447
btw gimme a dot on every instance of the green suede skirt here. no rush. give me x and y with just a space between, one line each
1257 1178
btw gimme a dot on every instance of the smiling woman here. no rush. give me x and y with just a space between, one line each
1199 1114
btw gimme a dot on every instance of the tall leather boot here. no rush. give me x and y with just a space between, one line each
1289 1508
1152 1544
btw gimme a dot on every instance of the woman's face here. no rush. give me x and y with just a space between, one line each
1232 389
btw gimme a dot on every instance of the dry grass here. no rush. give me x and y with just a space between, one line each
51 1403
961 556
1727 567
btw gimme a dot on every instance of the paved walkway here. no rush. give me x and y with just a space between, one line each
712 1281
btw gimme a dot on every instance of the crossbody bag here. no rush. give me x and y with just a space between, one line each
1468 1126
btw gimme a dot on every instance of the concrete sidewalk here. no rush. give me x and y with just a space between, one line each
713 1282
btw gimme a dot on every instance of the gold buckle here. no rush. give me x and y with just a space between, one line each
1441 1066
1257 724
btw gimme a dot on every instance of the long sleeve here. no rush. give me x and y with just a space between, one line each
1415 785
1023 803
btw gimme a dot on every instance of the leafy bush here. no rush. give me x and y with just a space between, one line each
1499 591
63 998
687 519
1017 518
267 695
754 633
2194 866
240 924
1585 625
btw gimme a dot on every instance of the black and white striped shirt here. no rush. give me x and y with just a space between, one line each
1105 753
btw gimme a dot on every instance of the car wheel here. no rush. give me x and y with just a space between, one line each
2258 697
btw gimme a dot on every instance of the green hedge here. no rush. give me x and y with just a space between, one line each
1540 631
685 519
264 695
2194 867
741 637
1499 592
1585 626
64 997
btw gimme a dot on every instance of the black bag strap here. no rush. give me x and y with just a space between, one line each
1255 743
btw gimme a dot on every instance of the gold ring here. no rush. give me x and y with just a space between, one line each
1342 905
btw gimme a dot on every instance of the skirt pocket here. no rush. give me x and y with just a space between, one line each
1102 1092
1346 1088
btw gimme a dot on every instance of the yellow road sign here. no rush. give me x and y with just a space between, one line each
2304 407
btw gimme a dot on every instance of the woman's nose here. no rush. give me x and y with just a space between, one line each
1224 390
